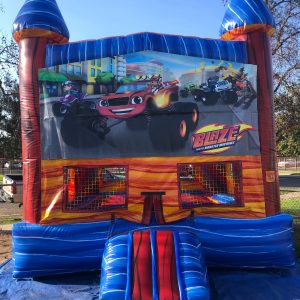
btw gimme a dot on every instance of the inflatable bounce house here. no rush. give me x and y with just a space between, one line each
149 157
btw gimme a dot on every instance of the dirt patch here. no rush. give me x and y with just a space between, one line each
9 213
5 246
10 210
289 195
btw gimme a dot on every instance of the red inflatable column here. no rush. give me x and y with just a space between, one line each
37 23
32 57
259 53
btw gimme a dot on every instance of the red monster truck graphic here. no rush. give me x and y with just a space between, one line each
149 103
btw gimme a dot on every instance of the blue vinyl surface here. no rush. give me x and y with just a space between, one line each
241 243
121 45
241 13
190 266
154 266
41 14
45 250
256 243
225 285
114 271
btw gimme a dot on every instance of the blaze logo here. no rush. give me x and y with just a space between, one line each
217 138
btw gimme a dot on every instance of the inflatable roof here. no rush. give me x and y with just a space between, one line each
121 45
39 18
243 16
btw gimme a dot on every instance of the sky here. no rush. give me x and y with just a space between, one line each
94 19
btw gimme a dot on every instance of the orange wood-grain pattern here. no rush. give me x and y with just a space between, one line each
154 174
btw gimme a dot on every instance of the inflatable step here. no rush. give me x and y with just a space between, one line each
114 271
147 265
191 267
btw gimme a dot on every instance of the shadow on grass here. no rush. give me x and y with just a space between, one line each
297 239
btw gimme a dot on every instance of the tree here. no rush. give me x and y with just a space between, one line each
285 52
285 42
126 80
287 121
105 78
10 129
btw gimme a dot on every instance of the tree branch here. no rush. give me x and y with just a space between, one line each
283 77
282 42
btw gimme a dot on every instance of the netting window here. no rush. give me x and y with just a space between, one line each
95 188
210 184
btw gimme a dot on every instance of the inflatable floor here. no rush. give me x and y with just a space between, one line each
225 285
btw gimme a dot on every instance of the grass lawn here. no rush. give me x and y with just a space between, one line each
10 220
292 207
289 172
1 178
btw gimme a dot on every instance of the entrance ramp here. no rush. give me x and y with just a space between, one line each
154 265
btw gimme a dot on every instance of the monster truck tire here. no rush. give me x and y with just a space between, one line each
59 109
180 132
183 93
209 98
68 132
87 108
97 127
158 130
230 97
188 111
77 133
168 132
137 123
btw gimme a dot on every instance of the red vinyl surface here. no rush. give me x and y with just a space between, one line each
259 53
153 202
166 266
142 274
32 57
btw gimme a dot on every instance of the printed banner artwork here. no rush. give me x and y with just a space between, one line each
217 138
148 104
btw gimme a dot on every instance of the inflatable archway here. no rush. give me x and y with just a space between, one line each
162 142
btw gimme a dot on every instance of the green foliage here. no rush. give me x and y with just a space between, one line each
286 57
10 127
287 118
9 56
126 80
191 87
105 78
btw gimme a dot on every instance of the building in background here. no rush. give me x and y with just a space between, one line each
84 74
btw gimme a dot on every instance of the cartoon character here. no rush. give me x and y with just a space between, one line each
216 87
135 98
148 104
243 86
221 72
187 89
72 102
72 92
